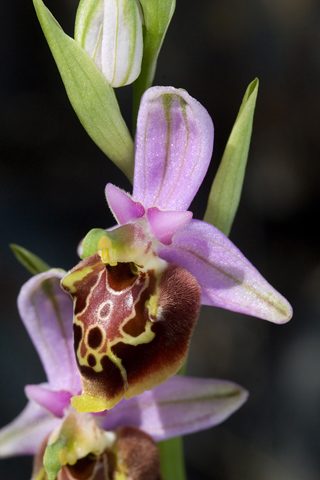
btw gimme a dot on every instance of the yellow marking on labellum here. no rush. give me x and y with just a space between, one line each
152 304
145 337
71 278
88 403
122 472
117 361
83 361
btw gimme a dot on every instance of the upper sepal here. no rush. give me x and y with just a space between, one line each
174 142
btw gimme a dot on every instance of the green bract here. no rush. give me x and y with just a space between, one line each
29 260
226 188
89 93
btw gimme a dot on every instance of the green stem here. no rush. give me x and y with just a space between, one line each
172 459
171 452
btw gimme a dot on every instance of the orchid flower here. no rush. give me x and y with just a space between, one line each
50 424
174 143
138 290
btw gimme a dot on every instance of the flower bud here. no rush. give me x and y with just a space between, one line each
111 33
133 318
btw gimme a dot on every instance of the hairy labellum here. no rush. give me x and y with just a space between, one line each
132 326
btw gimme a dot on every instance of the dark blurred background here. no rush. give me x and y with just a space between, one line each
52 192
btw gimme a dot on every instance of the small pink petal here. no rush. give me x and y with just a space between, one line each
164 225
53 401
122 206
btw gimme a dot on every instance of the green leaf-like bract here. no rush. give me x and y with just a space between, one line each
90 94
226 189
29 260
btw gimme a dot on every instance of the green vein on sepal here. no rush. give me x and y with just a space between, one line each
90 94
29 260
226 189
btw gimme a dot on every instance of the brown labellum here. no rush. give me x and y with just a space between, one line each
136 456
132 327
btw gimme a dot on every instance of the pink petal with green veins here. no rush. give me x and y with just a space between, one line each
53 401
47 313
165 224
174 142
122 206
24 435
180 406
226 277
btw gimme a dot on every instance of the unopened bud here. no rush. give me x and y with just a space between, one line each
111 33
